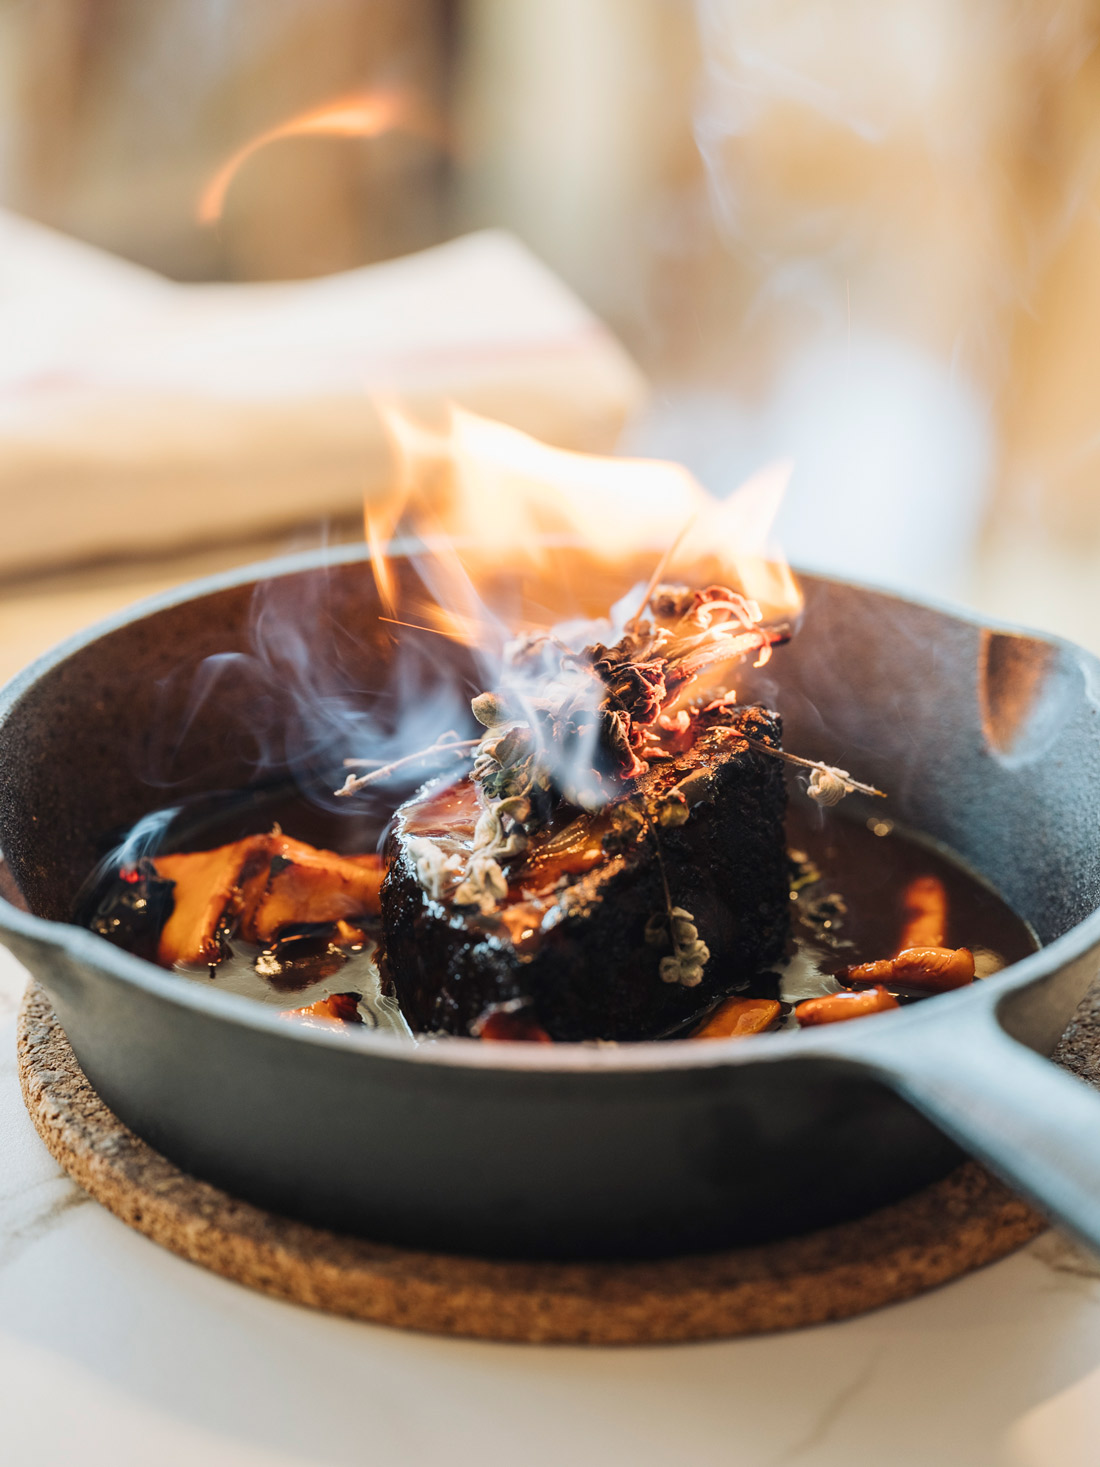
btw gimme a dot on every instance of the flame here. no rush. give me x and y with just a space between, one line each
741 528
379 525
530 555
366 115
486 497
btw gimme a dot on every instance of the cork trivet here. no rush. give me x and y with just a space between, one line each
946 1230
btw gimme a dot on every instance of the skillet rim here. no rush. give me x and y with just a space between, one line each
86 949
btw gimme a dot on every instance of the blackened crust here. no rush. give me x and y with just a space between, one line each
593 975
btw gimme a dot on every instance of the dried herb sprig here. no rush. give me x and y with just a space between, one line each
675 927
828 785
356 782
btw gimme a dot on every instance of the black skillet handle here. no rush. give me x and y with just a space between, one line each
1034 1124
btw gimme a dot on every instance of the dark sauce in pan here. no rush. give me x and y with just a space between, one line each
848 895
849 878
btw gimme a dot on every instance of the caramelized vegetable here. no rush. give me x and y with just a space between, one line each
506 1022
207 883
347 934
258 886
831 1008
738 1017
925 969
338 1008
312 886
925 904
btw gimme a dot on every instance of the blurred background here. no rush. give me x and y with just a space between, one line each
860 234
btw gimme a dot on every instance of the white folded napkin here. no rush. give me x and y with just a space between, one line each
139 414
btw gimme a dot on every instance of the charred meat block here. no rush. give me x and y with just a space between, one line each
623 924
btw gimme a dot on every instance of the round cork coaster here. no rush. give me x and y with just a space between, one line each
946 1230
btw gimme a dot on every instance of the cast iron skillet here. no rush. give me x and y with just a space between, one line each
986 739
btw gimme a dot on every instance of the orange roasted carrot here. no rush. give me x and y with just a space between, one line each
738 1017
831 1008
927 969
925 904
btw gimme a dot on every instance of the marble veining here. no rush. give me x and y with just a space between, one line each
832 1409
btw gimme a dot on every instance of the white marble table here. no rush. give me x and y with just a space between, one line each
114 1352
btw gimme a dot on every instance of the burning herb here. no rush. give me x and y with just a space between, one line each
580 726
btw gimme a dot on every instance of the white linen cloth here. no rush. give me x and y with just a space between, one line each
137 413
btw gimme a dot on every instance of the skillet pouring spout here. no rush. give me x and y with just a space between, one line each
987 742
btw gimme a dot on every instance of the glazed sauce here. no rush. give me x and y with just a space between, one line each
848 894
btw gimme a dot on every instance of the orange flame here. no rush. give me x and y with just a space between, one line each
367 115
377 540
485 497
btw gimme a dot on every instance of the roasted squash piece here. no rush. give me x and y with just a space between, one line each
260 885
207 885
306 885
